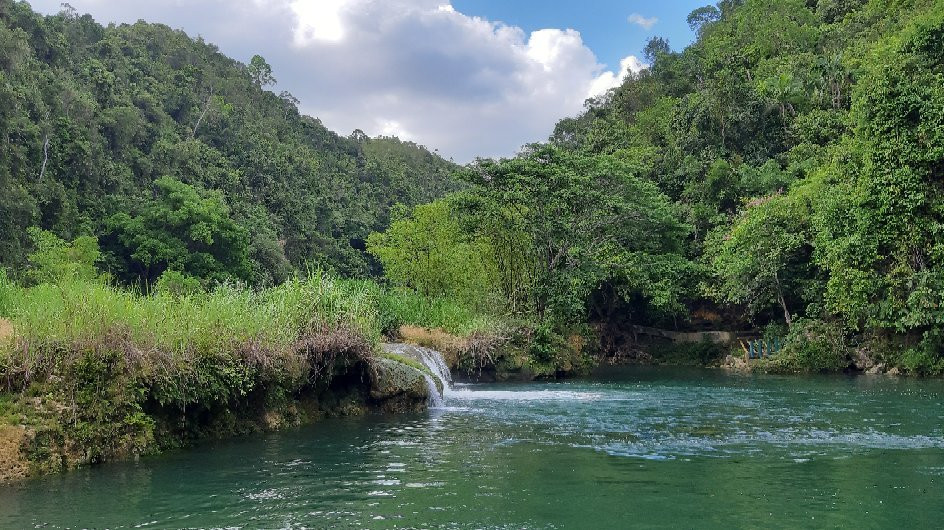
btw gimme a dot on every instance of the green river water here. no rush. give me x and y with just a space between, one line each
634 448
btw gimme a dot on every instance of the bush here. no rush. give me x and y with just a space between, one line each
813 346
920 361
175 283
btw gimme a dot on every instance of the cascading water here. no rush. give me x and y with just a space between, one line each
432 360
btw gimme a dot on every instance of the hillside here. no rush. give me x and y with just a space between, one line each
92 116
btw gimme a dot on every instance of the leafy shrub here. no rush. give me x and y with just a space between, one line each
813 346
920 361
56 260
176 283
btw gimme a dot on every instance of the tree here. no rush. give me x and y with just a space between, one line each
880 228
655 48
761 258
700 18
182 230
580 221
260 71
427 250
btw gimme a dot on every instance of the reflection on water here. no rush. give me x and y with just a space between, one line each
636 446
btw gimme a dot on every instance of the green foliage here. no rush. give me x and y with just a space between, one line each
880 226
187 341
175 283
109 420
182 231
55 260
428 251
812 346
788 163
403 306
7 294
921 361
762 258
563 223
802 141
91 116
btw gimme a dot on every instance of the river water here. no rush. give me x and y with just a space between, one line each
635 447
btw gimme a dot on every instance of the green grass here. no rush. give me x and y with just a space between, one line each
7 291
401 306
52 321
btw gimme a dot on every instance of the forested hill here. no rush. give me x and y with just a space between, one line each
803 143
176 156
782 175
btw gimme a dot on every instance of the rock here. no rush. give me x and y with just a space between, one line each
735 363
13 462
877 369
397 387
864 362
893 371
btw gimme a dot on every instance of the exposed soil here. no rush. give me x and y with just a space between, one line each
13 464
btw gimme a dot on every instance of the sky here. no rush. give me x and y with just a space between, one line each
465 78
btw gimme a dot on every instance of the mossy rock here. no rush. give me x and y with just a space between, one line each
396 386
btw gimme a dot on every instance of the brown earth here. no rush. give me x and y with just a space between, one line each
13 464
435 339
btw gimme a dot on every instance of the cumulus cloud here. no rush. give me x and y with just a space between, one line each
417 69
643 22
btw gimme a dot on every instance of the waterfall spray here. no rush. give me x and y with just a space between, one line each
434 362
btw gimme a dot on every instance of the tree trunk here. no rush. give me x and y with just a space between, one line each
42 170
783 303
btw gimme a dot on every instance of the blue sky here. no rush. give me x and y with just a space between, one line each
603 24
467 78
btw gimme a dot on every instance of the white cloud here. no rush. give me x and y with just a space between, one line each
645 23
415 68
608 80
319 20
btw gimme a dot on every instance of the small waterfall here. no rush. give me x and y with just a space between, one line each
431 359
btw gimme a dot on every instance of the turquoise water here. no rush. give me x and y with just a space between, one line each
633 448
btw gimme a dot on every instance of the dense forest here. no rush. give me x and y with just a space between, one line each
782 176
175 157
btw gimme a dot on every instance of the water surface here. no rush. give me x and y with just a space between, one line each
634 447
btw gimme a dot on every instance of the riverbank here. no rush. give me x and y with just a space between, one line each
92 373
810 347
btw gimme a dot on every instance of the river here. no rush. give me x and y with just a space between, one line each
633 447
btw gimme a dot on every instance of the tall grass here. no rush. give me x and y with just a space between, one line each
52 321
6 294
402 306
